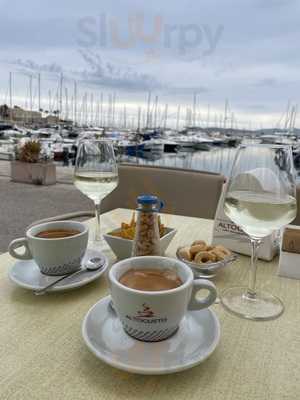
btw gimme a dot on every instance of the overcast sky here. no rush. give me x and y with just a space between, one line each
244 51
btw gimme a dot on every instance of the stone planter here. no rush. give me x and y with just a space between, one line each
35 173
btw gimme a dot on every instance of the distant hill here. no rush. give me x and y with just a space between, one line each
243 132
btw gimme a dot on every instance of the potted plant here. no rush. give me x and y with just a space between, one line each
32 165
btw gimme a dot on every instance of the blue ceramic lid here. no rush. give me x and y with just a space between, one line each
147 199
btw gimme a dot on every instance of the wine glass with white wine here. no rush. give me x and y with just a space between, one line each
96 173
260 198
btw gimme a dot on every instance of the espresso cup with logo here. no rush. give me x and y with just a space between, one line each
58 255
153 316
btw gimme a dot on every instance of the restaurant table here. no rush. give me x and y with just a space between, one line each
43 355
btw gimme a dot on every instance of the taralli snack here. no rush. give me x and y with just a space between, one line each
204 257
199 242
223 250
185 253
202 253
218 254
196 248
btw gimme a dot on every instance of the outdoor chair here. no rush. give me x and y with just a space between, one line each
184 192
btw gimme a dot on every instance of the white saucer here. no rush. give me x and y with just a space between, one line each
196 338
27 275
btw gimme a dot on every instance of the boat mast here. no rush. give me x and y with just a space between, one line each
148 110
98 113
49 102
295 115
231 122
109 109
155 111
75 104
198 119
166 116
292 119
225 113
10 96
81 112
67 102
72 108
30 97
101 109
178 117
287 115
208 116
139 120
194 108
144 119
113 108
92 109
39 91
104 114
216 121
86 109
124 116
190 116
187 117
60 96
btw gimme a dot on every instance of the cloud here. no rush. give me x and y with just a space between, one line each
30 66
98 73
267 82
106 73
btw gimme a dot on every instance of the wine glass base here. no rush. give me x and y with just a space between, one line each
98 244
98 239
261 307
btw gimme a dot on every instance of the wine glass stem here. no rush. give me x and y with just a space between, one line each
255 243
97 227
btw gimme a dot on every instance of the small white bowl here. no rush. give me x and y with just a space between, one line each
123 247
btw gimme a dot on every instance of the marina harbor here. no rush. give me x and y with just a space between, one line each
210 149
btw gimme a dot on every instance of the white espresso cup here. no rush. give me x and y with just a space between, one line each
57 256
152 316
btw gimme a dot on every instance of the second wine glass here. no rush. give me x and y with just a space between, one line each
260 198
96 173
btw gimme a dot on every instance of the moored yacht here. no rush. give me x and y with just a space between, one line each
203 143
129 148
154 145
186 142
170 146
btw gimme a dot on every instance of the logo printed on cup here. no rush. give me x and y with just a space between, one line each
147 316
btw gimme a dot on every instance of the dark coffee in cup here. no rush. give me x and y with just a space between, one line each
150 279
57 233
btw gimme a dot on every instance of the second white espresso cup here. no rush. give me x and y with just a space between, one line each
58 256
156 315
